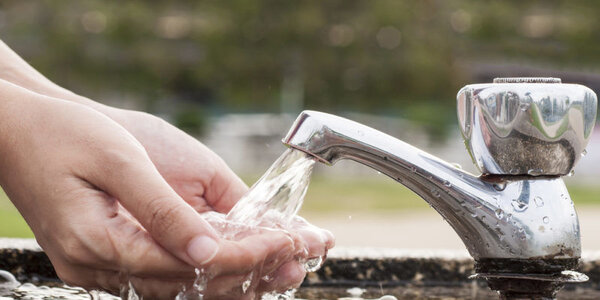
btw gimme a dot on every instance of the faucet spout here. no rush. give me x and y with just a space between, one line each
529 218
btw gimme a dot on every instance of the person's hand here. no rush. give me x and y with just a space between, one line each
198 175
100 209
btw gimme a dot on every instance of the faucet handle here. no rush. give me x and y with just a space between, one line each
526 126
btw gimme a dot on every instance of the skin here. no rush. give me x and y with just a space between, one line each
104 188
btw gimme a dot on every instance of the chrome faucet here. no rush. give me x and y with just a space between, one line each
516 219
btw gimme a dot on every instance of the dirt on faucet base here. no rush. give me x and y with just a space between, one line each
536 276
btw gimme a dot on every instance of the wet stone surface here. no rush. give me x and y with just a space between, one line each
404 274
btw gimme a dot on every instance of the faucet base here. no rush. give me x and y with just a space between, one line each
528 278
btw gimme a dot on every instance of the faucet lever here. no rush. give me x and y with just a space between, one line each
526 126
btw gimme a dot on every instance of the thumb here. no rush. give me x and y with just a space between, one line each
174 224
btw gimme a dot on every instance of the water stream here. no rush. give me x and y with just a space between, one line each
272 202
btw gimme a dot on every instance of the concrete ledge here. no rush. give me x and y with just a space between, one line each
344 267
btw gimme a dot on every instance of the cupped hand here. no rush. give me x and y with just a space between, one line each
192 170
101 210
204 180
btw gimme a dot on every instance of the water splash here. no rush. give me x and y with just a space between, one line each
278 195
272 202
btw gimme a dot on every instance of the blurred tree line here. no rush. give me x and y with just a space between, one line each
188 60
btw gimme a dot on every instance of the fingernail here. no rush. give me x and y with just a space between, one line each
202 249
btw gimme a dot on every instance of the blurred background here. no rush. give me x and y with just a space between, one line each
236 73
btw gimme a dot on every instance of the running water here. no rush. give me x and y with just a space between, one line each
278 195
272 202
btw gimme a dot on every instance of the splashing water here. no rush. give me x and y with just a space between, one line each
273 201
278 195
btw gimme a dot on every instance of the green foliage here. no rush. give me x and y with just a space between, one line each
391 57
192 120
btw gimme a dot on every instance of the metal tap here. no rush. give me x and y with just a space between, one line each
523 134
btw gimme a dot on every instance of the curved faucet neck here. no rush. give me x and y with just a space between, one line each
494 220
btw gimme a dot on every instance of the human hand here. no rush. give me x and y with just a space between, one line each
198 175
100 209
204 180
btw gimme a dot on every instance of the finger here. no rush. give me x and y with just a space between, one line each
269 249
225 188
288 276
120 243
129 176
317 240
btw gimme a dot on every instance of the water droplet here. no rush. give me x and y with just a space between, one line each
535 172
514 171
538 201
457 165
571 173
499 213
447 183
313 264
499 186
246 284
435 193
546 219
519 205
508 217
584 152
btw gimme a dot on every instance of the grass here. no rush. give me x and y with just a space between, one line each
11 222
326 195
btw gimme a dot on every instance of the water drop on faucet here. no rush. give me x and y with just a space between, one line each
519 205
499 213
546 219
457 165
584 152
538 201
535 172
500 186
